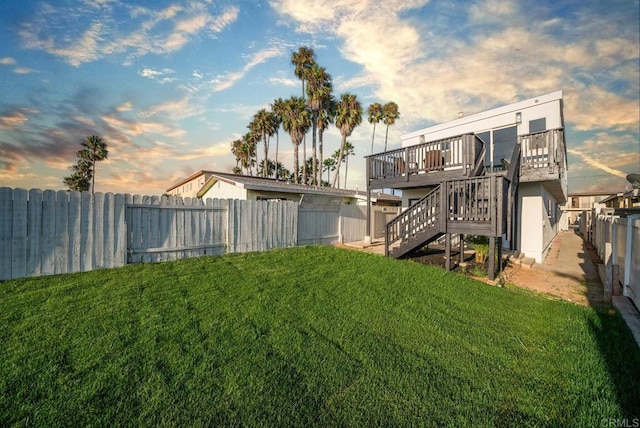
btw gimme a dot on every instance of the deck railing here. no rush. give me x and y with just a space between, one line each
458 152
543 150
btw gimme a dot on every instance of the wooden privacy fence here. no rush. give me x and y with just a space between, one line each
44 233
51 232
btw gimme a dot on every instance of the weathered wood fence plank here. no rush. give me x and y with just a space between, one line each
44 233
6 214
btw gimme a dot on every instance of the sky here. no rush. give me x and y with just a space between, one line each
169 85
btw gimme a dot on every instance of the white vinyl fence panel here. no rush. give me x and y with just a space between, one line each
623 234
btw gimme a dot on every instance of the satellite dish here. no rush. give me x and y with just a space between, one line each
634 179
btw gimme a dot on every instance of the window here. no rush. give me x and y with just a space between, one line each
537 125
504 140
486 138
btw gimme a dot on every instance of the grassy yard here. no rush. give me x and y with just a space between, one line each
305 336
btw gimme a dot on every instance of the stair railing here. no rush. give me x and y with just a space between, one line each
423 214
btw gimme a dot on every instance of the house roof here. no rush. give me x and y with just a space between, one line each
273 185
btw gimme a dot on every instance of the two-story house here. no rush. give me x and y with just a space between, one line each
501 173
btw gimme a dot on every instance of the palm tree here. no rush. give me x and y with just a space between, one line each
319 89
348 116
349 150
390 113
329 165
326 116
303 59
296 121
249 142
236 149
263 125
277 108
94 151
375 116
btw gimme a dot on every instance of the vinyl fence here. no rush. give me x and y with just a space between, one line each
617 240
51 232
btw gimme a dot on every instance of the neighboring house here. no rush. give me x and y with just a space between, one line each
578 204
221 185
628 199
501 173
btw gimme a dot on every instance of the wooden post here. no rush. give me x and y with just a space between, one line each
406 163
447 251
461 237
492 258
499 243
386 241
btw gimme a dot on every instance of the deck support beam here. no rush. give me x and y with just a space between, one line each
461 237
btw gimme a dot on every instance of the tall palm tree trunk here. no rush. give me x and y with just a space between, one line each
265 166
339 161
321 160
385 138
346 170
296 164
314 166
373 136
277 143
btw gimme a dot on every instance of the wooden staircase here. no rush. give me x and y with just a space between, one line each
478 205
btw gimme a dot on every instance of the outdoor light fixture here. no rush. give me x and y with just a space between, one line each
518 118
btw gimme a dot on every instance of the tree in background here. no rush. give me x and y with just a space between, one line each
319 89
348 116
390 114
326 116
247 150
303 59
277 108
264 126
349 150
329 165
94 150
375 116
296 121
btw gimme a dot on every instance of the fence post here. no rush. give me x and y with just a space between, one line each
628 254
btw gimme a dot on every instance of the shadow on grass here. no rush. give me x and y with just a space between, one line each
616 343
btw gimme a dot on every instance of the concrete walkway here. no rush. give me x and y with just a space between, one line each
570 257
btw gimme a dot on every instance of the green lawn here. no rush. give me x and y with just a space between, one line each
305 336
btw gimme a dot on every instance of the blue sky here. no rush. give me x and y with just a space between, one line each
169 85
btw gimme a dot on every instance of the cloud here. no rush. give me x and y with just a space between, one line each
127 106
597 164
161 76
151 31
136 129
175 110
7 61
230 79
14 118
433 71
23 70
